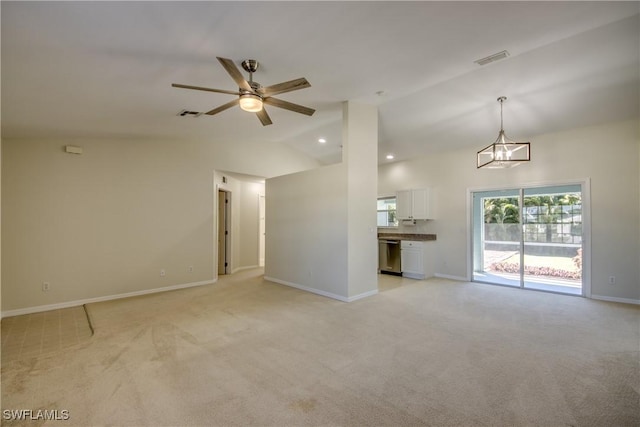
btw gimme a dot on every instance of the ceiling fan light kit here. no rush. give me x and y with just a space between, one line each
250 102
504 152
251 95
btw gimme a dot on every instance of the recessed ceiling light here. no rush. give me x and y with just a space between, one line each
322 140
389 156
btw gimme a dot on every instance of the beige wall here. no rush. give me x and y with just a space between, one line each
306 230
106 222
607 154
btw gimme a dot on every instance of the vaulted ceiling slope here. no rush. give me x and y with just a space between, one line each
104 69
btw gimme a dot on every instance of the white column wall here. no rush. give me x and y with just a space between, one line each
360 153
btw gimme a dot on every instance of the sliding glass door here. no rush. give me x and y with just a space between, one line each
553 238
497 246
530 238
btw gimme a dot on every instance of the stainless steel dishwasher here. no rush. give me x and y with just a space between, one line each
389 257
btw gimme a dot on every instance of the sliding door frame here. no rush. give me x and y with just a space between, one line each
585 185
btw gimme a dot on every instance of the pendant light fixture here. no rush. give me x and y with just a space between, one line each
503 153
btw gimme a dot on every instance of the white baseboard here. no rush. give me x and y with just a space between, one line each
447 276
248 267
321 292
304 288
615 299
362 295
76 303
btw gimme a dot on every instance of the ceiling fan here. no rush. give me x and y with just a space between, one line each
251 95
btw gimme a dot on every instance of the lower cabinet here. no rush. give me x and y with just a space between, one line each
417 259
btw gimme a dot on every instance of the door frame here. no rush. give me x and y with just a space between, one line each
585 184
226 269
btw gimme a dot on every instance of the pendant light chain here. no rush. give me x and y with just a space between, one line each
501 120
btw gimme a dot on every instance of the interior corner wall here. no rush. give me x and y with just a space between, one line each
607 154
306 230
104 223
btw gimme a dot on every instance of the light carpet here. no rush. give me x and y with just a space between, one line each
247 352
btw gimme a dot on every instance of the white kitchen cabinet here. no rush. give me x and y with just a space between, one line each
414 204
404 209
417 258
412 259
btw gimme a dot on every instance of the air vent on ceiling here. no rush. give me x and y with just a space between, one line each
492 58
187 113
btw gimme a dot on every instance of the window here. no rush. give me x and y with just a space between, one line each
387 212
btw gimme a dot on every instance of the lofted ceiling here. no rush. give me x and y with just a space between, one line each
105 69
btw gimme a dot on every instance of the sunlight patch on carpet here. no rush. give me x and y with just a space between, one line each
36 334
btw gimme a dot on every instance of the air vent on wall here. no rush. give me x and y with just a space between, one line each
187 113
492 58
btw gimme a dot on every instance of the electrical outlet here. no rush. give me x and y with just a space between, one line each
46 286
163 273
190 269
612 280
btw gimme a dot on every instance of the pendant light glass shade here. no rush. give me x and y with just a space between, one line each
503 153
250 102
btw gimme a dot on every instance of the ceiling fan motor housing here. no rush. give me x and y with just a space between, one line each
250 65
255 86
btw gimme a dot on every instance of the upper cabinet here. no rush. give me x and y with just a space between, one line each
414 204
404 202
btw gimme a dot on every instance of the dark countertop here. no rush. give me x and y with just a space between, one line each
407 236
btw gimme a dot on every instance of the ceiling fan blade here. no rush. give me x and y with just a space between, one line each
289 106
264 117
296 84
230 92
223 107
235 74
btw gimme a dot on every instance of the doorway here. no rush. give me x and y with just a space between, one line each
531 238
224 237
